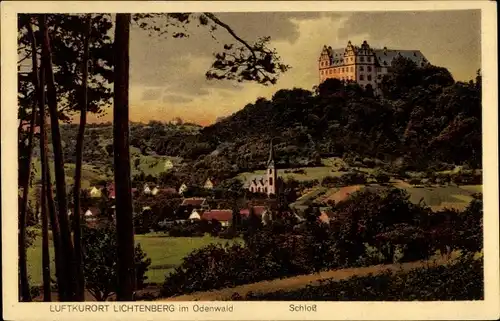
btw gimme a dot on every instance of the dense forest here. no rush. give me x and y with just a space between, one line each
420 118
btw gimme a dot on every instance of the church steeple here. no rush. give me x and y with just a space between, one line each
270 161
272 176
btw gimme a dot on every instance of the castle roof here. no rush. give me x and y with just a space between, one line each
383 56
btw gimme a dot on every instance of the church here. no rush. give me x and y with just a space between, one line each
362 64
268 183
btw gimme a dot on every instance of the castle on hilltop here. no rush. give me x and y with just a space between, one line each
364 65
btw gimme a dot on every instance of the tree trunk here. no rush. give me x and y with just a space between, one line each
47 194
23 271
67 246
78 168
124 222
54 221
45 246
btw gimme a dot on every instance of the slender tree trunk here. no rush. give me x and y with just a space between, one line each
62 202
23 271
45 246
48 197
124 222
78 169
54 221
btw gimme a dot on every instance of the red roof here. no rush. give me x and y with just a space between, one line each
258 210
168 190
112 191
193 201
219 215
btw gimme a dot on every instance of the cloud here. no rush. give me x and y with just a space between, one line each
178 66
176 99
151 94
181 64
447 38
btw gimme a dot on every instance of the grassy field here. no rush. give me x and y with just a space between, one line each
152 164
330 167
435 197
165 252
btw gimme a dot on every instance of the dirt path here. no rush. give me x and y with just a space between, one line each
300 281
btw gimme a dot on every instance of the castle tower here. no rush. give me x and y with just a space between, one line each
271 172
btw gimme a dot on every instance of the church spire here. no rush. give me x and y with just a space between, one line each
270 162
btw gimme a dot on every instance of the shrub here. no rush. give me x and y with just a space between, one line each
381 177
100 261
462 280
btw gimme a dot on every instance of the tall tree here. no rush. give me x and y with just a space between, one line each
23 272
124 217
79 160
62 202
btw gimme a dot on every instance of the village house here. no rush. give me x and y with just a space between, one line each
223 216
95 192
195 214
195 203
325 216
209 183
183 188
268 183
258 210
112 192
168 165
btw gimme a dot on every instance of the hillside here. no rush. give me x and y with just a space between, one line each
434 123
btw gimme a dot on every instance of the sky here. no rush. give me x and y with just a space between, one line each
167 75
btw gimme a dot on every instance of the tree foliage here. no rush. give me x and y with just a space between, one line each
100 261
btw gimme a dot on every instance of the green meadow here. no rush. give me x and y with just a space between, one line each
165 253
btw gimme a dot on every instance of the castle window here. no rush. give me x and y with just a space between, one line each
251 189
361 68
361 77
362 59
265 189
259 190
270 181
369 77
378 69
270 171
369 68
342 69
352 69
369 60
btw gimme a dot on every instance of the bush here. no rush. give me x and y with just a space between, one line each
462 280
381 177
267 254
100 261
